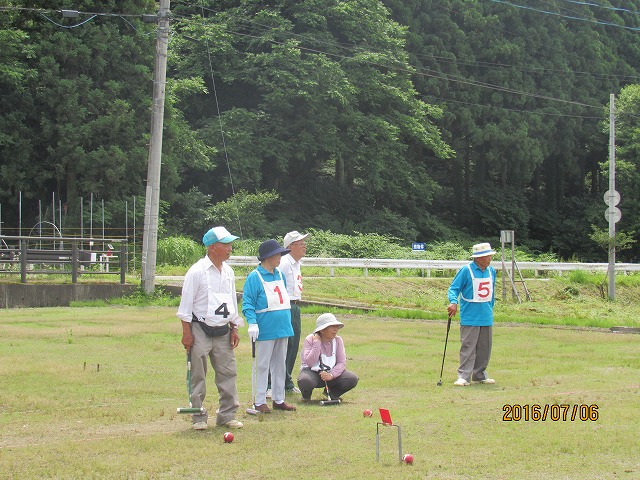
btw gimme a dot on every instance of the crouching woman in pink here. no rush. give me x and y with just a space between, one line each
324 360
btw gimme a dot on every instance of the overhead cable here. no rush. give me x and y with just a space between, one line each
570 17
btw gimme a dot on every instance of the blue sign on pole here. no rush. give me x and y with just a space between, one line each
418 247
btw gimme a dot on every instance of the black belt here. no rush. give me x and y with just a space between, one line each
209 330
295 302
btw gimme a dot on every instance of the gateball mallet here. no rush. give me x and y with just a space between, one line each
190 408
252 410
445 350
329 401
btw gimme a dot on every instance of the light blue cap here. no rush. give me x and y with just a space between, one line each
218 234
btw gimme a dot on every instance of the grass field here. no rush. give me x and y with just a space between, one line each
555 301
92 393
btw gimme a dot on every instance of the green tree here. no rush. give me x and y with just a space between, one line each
521 92
85 126
15 148
246 213
317 102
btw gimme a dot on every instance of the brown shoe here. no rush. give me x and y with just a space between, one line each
262 408
283 406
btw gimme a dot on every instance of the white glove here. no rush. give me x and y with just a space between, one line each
254 331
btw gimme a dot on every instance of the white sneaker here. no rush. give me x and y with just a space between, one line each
488 381
269 393
200 426
233 424
294 390
461 382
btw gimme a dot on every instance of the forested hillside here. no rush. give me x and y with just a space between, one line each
427 120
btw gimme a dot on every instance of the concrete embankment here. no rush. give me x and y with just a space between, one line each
39 295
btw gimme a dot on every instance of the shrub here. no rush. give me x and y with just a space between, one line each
582 277
447 251
579 276
324 243
179 251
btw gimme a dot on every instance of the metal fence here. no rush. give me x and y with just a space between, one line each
28 255
429 266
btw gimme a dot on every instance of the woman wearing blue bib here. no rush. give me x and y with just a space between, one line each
267 308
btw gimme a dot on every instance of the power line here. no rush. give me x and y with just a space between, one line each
432 74
68 26
606 7
350 53
146 18
78 12
415 71
570 17
515 110
224 142
350 50
480 64
539 70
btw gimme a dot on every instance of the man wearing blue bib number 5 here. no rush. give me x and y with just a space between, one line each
267 308
209 313
474 286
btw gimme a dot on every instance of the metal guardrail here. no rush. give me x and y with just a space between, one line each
438 265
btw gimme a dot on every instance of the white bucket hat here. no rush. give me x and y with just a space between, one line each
294 236
482 250
326 320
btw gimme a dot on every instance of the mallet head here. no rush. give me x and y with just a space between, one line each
192 410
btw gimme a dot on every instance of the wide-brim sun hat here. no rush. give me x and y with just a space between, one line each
326 320
294 236
269 249
218 235
482 250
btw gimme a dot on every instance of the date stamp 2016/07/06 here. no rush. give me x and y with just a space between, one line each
550 412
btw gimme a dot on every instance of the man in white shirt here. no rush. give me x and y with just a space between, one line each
290 268
209 314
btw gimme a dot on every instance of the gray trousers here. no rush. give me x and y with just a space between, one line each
293 345
310 379
223 360
270 359
475 351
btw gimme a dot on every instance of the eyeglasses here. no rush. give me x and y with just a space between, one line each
299 243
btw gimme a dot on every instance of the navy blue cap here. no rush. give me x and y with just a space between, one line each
269 249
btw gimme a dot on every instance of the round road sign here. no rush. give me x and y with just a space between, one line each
612 199
617 214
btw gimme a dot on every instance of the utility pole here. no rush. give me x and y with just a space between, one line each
612 197
152 196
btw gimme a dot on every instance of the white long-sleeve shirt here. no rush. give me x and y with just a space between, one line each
195 291
291 270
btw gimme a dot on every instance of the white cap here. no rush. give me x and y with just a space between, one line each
294 236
